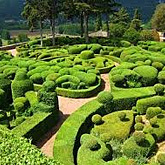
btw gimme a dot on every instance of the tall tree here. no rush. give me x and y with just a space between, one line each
98 22
106 7
137 14
158 18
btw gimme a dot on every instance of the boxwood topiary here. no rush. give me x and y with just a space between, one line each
139 126
105 97
37 78
138 119
97 119
152 112
161 77
20 85
87 54
159 89
158 65
122 116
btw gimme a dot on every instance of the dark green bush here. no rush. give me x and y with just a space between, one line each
161 158
97 119
95 48
20 85
87 54
77 49
153 121
37 78
118 80
52 77
152 112
159 89
154 48
139 126
2 98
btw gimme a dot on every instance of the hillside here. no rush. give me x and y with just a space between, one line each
11 9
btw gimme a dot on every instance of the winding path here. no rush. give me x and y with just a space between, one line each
67 106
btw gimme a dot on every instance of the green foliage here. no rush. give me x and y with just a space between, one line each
159 89
138 119
152 112
139 126
11 144
135 24
20 85
148 73
1 42
132 36
5 35
155 101
105 97
23 37
158 18
122 116
161 77
97 119
125 44
139 137
158 65
87 55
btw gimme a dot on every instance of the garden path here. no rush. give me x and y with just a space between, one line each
67 107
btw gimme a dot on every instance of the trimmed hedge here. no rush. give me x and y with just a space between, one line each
36 126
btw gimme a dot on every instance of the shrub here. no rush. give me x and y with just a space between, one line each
158 65
148 73
155 101
20 85
161 77
138 119
139 126
154 48
95 48
118 80
87 54
159 89
77 49
125 44
23 37
104 52
52 77
153 121
152 112
132 36
122 116
1 42
89 79
97 119
139 137
37 78
67 78
2 98
105 97
161 158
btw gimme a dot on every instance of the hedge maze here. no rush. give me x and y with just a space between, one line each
124 126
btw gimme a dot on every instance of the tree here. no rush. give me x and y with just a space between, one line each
121 16
37 11
158 18
98 25
106 7
0 42
137 14
5 34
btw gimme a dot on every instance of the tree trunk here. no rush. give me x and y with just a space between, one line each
53 31
107 26
41 32
86 27
82 25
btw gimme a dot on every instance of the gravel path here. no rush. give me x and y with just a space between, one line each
67 107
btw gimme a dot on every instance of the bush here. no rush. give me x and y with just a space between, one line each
138 119
161 158
20 85
139 137
105 97
153 121
76 49
87 54
122 116
161 77
125 44
154 48
152 112
37 78
2 98
148 73
97 119
139 126
1 42
158 65
132 36
149 35
159 89
23 37
155 101
52 77
95 48
118 80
